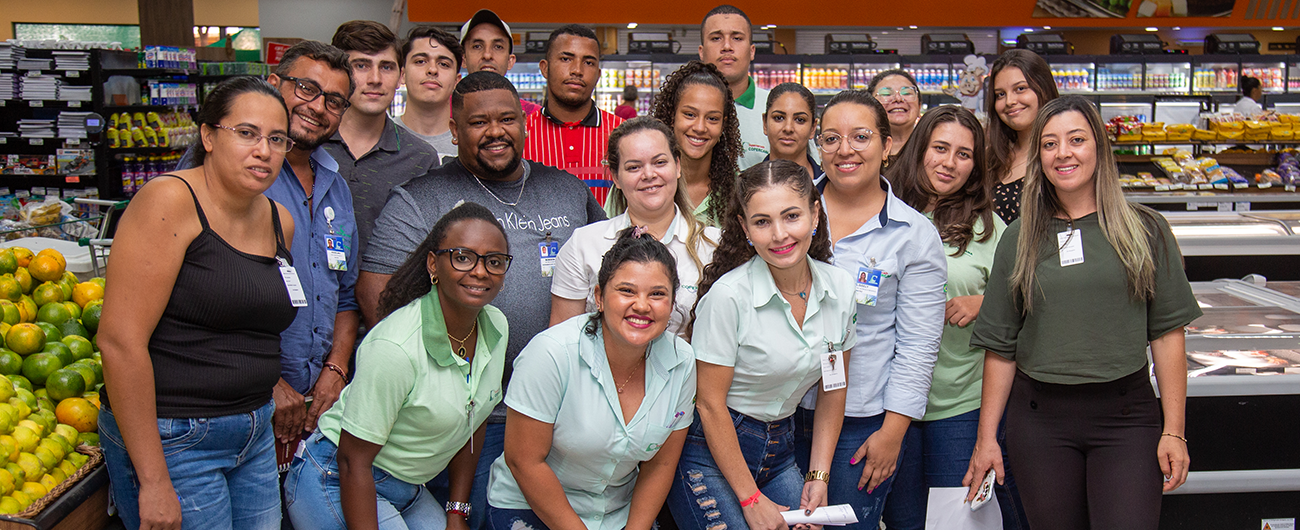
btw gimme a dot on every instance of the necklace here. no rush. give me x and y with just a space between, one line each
802 294
460 352
494 196
633 374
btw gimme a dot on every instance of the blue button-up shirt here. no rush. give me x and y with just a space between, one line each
304 346
898 338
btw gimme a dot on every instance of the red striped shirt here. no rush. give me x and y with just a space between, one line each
578 148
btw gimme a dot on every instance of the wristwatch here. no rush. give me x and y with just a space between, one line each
823 476
461 508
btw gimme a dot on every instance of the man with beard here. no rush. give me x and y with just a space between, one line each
570 132
431 69
373 152
315 81
725 42
539 207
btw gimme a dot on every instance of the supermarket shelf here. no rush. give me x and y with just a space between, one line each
1208 142
145 108
146 150
147 71
45 104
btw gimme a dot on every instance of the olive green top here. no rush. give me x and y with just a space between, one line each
1084 327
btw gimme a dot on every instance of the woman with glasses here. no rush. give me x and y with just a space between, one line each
599 405
191 329
897 91
1085 288
897 258
774 321
695 103
1021 83
427 377
789 123
644 156
942 174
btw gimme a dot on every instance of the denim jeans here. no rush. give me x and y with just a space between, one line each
494 444
936 454
312 494
701 498
502 519
844 477
222 468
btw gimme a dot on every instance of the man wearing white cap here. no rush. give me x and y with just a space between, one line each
489 46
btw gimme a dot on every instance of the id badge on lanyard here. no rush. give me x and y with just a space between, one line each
1070 243
297 297
868 284
548 250
336 257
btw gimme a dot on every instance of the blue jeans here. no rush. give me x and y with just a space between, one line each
494 444
312 494
502 519
844 477
936 454
223 470
701 498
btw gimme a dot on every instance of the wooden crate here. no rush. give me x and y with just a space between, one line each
83 507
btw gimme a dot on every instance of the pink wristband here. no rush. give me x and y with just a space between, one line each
751 500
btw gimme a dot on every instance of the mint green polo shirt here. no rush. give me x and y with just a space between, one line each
562 378
744 323
413 396
959 371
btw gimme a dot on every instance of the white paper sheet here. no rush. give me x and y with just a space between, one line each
947 510
838 515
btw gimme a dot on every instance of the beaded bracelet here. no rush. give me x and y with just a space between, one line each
1174 435
751 500
337 369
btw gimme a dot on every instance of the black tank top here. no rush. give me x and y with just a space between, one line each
216 348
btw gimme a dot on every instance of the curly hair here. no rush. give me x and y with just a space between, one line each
954 215
635 248
723 165
411 280
734 249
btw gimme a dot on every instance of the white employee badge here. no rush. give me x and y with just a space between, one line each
834 365
1070 243
297 297
548 250
868 284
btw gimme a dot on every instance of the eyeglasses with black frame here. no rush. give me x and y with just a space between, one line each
307 90
248 137
464 260
859 140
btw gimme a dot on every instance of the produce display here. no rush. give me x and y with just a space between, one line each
50 373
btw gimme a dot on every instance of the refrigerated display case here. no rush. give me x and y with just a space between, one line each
824 77
1214 76
932 77
528 80
1074 78
866 67
1269 73
1168 78
1119 77
615 74
1234 244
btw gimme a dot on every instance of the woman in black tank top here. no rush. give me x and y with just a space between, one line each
196 300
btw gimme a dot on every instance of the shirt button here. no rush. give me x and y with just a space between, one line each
604 482
570 147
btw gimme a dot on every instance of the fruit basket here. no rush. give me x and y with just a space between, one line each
79 503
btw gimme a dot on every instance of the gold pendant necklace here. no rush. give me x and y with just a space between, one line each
460 352
633 374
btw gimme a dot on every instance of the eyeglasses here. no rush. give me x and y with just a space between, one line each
307 90
464 260
906 92
249 138
859 140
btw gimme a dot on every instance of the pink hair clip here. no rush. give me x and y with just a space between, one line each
637 231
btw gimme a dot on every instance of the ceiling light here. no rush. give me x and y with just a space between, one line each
1176 28
1047 27
1153 29
1029 30
1277 28
911 27
631 25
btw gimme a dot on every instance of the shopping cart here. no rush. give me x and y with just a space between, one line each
101 242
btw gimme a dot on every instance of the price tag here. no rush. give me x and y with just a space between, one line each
72 179
1242 207
3 140
74 104
74 141
1070 243
36 141
1162 187
1221 186
1289 187
38 103
1240 185
73 73
2 102
1265 185
1205 187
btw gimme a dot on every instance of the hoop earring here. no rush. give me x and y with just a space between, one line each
433 279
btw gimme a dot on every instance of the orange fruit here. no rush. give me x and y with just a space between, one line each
27 308
11 314
25 339
10 363
79 345
23 255
55 314
60 350
8 262
45 268
47 293
37 367
81 414
90 316
63 263
84 292
98 280
9 288
73 308
24 280
52 332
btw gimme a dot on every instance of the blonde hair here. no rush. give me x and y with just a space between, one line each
1125 225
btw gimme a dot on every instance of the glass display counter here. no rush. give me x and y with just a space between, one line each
1119 77
1269 74
1168 78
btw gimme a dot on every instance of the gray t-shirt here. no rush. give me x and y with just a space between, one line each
550 203
441 142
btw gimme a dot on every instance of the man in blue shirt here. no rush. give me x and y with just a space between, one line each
316 83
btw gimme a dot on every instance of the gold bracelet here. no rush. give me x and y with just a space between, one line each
823 476
1174 435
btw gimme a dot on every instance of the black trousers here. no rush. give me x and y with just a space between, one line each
1086 454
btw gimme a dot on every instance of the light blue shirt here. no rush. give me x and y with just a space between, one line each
562 377
304 345
743 322
898 338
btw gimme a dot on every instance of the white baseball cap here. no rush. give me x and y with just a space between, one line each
485 16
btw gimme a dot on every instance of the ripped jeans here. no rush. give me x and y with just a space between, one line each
701 498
